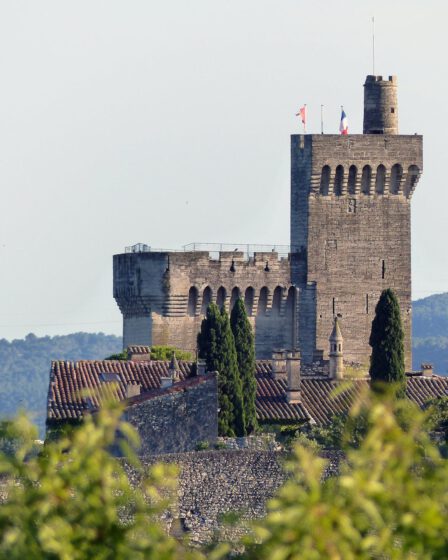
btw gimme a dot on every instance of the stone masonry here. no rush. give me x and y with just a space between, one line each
177 418
350 220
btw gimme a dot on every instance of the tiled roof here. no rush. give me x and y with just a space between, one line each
139 349
69 380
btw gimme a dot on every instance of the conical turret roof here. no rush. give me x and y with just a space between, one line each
336 335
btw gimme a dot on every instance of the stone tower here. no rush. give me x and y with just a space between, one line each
350 224
336 353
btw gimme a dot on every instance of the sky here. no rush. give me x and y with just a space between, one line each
169 122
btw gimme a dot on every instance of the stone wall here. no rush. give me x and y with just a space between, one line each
213 483
177 419
163 296
357 239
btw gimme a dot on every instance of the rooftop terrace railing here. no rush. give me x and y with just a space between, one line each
214 249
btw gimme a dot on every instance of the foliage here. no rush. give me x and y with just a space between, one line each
388 501
386 340
66 503
25 367
343 430
438 416
217 347
162 353
121 356
202 445
166 353
245 352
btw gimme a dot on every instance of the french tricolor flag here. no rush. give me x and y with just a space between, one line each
343 127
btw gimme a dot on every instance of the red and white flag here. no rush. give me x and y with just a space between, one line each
302 115
343 127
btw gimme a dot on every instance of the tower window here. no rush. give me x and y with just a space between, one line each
383 269
367 304
392 110
334 306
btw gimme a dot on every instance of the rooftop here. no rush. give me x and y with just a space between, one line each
70 380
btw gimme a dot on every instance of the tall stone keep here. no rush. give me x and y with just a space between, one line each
351 224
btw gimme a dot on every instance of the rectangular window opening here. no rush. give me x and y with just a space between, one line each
383 269
334 306
367 304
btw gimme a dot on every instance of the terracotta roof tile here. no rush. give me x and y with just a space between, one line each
69 380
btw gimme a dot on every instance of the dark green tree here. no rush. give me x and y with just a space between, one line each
216 346
245 352
386 340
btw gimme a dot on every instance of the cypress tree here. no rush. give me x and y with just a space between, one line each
217 347
387 342
245 353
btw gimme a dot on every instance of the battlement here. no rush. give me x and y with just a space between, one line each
380 105
366 165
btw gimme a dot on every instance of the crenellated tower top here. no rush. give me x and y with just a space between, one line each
380 105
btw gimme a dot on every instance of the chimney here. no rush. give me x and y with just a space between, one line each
293 373
278 364
427 370
201 367
132 390
336 352
166 381
139 353
173 370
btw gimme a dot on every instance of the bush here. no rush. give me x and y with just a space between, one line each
67 503
388 501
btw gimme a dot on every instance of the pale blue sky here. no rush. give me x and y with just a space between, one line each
168 122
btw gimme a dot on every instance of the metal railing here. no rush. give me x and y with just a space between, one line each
213 249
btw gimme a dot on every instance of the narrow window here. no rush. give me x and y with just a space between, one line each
192 301
206 299
395 178
366 179
221 297
334 306
367 304
277 300
325 180
338 180
383 269
249 300
236 294
352 172
380 179
262 301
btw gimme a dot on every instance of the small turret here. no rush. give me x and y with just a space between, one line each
380 105
336 352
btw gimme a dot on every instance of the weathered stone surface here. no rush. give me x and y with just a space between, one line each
350 239
213 483
177 420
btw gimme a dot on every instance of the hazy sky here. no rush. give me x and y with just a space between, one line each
168 122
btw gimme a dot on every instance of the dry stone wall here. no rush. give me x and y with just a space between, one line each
179 420
215 483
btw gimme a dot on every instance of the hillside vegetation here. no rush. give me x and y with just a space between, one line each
25 367
430 332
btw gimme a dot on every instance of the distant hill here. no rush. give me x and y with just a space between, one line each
25 367
430 332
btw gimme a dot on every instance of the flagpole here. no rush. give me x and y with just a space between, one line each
321 119
373 44
304 124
